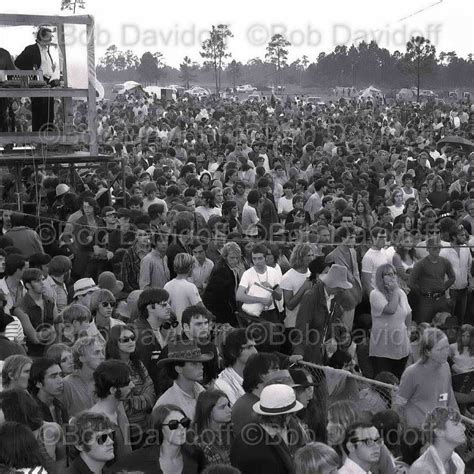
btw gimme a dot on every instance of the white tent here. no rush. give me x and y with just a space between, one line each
406 94
130 86
371 93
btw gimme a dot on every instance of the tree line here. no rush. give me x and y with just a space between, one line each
358 66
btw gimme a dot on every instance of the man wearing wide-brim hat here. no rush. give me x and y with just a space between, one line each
184 366
263 446
321 308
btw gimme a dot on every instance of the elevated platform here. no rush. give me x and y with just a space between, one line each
46 138
42 92
54 159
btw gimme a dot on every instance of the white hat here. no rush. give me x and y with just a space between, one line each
277 399
336 277
83 286
62 189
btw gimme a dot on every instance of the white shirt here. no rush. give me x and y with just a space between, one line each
461 263
250 277
293 281
373 259
49 62
249 220
350 467
230 382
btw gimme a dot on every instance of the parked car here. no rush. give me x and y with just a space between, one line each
246 88
315 100
254 98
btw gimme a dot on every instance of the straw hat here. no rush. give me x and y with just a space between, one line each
277 399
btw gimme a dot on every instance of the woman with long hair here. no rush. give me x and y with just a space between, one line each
209 207
438 195
341 414
230 216
19 450
397 206
411 210
213 415
462 351
404 258
172 454
121 345
389 344
364 217
20 407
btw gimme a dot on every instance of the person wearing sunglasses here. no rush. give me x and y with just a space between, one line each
93 440
362 445
122 346
113 387
154 326
170 452
102 307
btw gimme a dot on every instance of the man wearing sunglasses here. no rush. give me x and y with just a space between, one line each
91 434
362 445
113 386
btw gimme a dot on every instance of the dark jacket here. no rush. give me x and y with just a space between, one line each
268 214
147 461
149 350
312 319
174 248
8 348
29 58
254 451
78 466
59 409
219 295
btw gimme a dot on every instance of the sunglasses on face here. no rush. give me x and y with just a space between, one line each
174 424
170 324
124 340
101 439
106 304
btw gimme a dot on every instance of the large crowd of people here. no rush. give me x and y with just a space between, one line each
244 287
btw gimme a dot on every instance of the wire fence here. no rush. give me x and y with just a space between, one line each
369 397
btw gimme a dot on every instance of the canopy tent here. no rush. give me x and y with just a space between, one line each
406 94
130 86
371 93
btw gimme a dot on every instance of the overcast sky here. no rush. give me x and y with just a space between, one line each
177 28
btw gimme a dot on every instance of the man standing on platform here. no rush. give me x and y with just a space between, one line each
41 56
